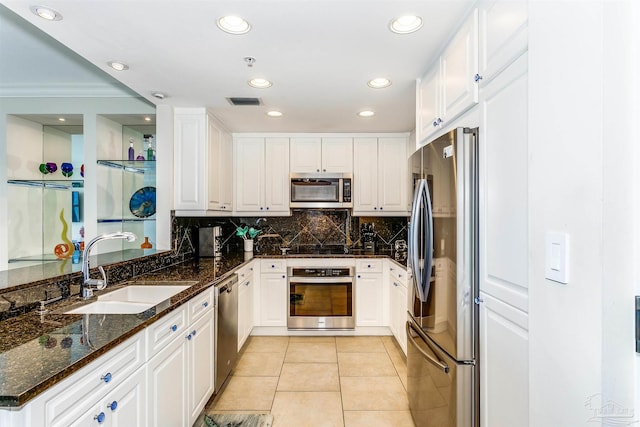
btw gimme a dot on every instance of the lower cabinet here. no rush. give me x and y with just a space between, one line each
369 300
273 299
246 288
200 351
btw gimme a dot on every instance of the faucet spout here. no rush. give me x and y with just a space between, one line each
88 284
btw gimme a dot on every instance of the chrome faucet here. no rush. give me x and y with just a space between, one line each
88 284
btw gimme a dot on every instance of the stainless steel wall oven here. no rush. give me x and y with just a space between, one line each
321 298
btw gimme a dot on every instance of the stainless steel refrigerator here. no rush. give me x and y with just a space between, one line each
442 325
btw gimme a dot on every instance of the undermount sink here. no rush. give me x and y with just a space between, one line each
134 298
111 307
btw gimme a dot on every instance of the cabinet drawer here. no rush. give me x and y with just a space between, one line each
200 304
165 330
273 266
369 266
398 274
245 273
91 383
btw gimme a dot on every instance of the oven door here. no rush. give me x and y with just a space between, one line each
321 303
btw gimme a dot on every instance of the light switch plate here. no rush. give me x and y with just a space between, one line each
556 265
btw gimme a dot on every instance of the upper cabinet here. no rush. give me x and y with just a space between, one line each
503 36
262 175
380 176
202 158
450 86
321 155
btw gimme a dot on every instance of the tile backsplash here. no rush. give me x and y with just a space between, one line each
305 231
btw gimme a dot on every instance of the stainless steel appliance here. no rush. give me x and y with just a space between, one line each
442 327
209 241
321 298
321 190
226 344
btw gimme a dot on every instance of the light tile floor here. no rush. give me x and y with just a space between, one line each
320 381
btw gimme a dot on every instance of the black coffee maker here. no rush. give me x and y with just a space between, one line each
369 237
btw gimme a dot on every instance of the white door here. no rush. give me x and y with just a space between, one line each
249 162
365 174
337 155
276 181
306 155
201 364
392 175
273 299
130 402
189 159
369 301
428 103
167 393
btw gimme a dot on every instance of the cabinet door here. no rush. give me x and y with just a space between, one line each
220 168
504 362
365 175
167 393
503 35
276 180
130 402
201 364
398 300
428 103
337 155
273 299
459 67
190 159
242 312
392 175
306 155
369 309
249 163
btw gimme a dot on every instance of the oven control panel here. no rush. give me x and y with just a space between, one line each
321 272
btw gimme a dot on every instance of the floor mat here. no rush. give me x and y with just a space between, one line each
235 420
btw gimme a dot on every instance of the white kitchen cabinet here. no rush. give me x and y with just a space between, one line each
167 375
246 289
201 158
503 35
125 406
70 402
202 363
380 176
262 175
220 167
273 293
397 281
504 364
369 293
449 87
321 155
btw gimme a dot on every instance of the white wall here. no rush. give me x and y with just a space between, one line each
582 182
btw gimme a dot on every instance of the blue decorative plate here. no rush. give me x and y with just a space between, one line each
143 202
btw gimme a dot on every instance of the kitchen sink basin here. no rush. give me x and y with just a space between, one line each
143 293
111 307
134 298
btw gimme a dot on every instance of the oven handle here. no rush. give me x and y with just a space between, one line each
320 280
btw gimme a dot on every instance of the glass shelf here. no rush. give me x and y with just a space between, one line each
105 220
63 184
135 166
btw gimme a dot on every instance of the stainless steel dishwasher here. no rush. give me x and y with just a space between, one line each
226 345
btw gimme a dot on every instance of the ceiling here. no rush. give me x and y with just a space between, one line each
319 54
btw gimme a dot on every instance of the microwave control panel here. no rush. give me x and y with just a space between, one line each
346 190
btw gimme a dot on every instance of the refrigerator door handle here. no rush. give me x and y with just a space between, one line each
421 217
439 363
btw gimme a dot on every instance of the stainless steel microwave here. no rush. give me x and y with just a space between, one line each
321 190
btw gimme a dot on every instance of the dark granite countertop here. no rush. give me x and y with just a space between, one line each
38 351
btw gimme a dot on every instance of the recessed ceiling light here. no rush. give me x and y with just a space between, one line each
406 24
366 113
46 13
233 25
158 95
274 113
147 119
260 83
118 66
62 119
379 83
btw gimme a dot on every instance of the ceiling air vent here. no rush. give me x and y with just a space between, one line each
244 101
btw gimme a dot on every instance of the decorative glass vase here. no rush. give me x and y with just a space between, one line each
146 244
